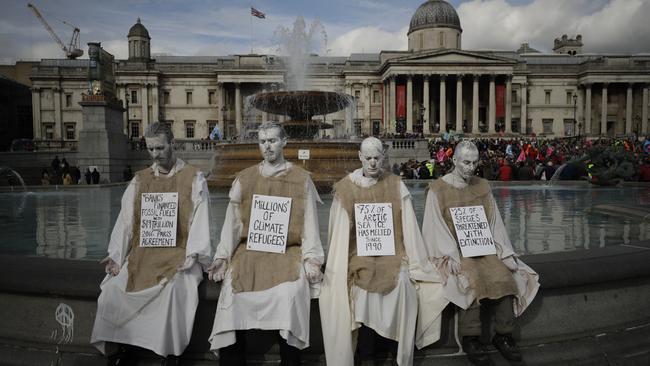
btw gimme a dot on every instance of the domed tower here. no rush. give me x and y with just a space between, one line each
139 43
434 25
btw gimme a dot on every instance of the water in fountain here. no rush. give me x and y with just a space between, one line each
12 176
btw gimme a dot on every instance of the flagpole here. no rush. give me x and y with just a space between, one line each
250 15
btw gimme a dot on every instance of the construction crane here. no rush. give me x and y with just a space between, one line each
72 51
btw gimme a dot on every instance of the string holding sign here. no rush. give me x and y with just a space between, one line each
158 218
374 228
268 227
473 231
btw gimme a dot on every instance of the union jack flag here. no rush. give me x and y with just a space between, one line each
257 13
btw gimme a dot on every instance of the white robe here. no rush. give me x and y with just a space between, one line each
418 295
159 318
442 245
284 307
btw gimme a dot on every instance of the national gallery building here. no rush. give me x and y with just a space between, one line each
433 87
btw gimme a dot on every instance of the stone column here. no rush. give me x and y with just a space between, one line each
58 124
238 126
644 110
628 110
409 104
524 107
155 103
145 106
350 110
425 103
475 105
391 104
587 109
367 128
37 124
443 104
492 113
220 109
603 111
508 104
459 103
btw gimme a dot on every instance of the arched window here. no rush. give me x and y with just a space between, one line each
441 39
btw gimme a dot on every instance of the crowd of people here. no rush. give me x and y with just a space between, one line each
535 159
61 172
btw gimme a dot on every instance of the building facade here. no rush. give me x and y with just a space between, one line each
433 87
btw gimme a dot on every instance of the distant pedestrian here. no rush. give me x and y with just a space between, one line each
88 176
45 178
95 176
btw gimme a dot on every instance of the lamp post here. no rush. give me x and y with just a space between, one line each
421 124
575 101
128 122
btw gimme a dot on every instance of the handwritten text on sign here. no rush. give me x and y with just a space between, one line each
158 217
269 223
374 225
473 231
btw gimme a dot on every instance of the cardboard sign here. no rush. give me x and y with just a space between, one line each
303 154
473 231
374 226
268 227
158 218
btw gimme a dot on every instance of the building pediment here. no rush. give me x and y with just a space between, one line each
451 57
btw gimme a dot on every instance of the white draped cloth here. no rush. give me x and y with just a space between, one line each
410 314
284 307
159 318
443 246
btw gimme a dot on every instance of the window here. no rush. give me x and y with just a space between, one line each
514 97
135 129
569 97
357 126
376 97
376 127
569 127
515 125
68 100
357 95
189 129
188 97
134 96
441 39
48 131
166 97
70 131
547 124
211 97
547 97
169 124
421 40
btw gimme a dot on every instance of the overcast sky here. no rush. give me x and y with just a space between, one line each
218 27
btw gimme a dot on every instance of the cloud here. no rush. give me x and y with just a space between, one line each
617 26
368 40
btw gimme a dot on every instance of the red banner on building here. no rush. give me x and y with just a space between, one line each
400 101
501 101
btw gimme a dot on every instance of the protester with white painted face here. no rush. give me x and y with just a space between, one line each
378 279
265 290
149 296
471 278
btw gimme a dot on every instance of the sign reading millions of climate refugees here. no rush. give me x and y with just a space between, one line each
158 218
374 226
268 226
473 232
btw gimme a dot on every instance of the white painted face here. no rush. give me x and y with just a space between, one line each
161 151
465 163
271 145
372 161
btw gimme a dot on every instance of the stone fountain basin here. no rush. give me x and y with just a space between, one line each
328 162
300 104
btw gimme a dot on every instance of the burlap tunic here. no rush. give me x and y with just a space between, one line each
373 273
149 266
487 275
258 271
